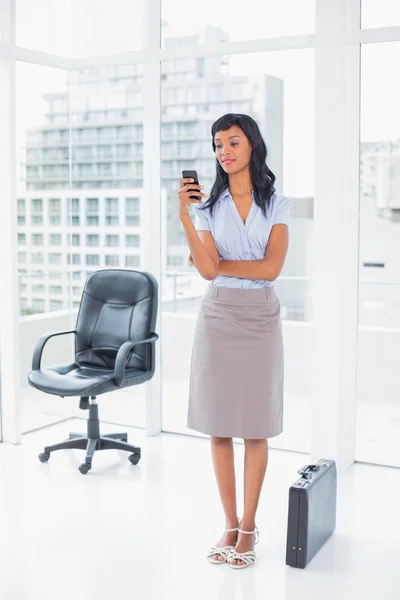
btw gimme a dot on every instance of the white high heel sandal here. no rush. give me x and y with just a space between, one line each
249 558
220 551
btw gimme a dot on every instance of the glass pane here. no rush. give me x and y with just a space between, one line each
277 89
380 13
107 133
54 200
210 21
61 26
43 179
379 292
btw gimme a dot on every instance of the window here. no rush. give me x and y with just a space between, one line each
92 240
210 22
112 211
55 259
112 241
112 260
56 305
132 261
21 211
21 239
132 241
38 288
175 261
38 305
74 259
382 13
267 81
69 181
37 206
73 211
92 211
92 259
37 258
42 27
37 239
22 257
55 239
74 239
378 382
132 212
54 211
37 211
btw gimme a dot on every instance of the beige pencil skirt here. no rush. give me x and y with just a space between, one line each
236 380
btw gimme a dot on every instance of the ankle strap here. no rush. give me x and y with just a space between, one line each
234 529
255 532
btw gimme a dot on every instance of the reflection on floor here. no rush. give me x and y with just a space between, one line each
142 532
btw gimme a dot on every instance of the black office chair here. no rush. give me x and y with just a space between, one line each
114 348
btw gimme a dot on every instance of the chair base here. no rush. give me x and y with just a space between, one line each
93 442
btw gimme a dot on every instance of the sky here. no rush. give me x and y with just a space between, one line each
62 26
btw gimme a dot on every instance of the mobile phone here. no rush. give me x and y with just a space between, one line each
192 175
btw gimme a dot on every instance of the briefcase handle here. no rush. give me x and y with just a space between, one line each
307 470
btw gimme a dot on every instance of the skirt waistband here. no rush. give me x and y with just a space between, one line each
239 296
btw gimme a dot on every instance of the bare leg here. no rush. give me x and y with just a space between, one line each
255 466
224 467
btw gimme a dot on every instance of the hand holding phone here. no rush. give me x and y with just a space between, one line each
192 175
189 184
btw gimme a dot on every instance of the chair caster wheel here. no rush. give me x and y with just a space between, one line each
134 458
44 456
84 468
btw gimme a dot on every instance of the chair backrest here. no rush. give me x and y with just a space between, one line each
116 306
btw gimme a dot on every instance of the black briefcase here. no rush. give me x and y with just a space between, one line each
312 512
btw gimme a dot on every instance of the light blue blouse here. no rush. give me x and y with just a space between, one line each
238 241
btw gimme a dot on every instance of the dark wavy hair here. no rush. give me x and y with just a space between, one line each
262 177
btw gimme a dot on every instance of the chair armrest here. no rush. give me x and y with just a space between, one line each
122 356
40 344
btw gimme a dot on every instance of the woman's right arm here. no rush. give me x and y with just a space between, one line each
203 251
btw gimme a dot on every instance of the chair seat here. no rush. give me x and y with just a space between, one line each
75 380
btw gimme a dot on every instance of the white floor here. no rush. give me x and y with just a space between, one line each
142 532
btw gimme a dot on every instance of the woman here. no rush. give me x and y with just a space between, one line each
239 243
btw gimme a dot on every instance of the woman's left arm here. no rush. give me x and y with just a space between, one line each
267 268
